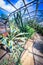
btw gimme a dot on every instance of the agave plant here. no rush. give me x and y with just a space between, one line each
14 36
14 41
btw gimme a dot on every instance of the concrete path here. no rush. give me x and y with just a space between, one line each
27 58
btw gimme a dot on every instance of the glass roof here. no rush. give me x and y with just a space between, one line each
33 8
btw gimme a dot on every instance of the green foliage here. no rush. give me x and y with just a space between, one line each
17 35
14 56
23 26
14 35
36 26
18 19
30 30
39 29
5 62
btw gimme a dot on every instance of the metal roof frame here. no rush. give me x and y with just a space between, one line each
36 8
22 7
26 8
11 4
4 9
25 5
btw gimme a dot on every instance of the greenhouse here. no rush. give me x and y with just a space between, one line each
21 32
